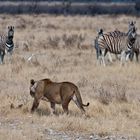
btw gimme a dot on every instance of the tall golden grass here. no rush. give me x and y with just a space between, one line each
113 91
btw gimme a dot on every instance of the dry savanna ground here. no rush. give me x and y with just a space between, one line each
62 52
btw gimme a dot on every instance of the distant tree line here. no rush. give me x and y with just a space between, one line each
73 0
68 7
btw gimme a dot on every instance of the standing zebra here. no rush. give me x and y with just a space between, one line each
116 42
98 50
136 49
6 43
100 33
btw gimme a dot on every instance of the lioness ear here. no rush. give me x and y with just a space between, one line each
32 82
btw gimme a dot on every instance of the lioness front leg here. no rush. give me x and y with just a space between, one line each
52 108
35 105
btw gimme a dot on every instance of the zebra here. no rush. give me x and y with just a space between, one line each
98 50
115 42
136 49
6 43
100 33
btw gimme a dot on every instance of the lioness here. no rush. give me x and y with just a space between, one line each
55 93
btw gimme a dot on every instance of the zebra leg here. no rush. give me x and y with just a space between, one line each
110 58
98 52
103 57
1 62
131 56
128 56
137 56
109 55
97 49
10 57
99 56
117 57
123 56
2 57
99 60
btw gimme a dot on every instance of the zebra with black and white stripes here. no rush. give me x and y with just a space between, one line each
6 43
100 33
136 49
116 42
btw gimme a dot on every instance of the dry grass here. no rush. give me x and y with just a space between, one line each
113 92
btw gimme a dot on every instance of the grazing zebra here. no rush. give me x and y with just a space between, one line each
6 43
115 42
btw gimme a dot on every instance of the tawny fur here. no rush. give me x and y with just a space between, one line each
55 93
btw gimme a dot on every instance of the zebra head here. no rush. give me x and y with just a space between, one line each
100 32
132 33
131 25
9 40
10 32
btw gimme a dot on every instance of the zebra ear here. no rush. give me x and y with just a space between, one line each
134 22
32 82
13 27
131 22
8 27
97 30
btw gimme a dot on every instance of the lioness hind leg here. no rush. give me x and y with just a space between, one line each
35 105
52 108
65 105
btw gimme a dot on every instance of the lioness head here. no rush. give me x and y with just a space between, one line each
33 86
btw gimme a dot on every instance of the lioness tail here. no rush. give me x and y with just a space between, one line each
86 104
79 99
